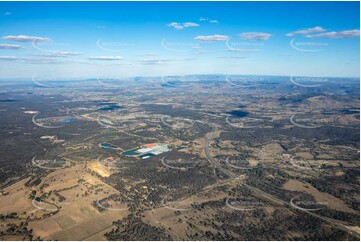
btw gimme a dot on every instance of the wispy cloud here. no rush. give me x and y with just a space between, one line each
200 52
146 55
233 57
242 50
255 36
106 58
336 35
162 61
319 32
10 46
211 38
33 60
316 29
183 25
152 62
213 21
284 55
7 13
43 61
24 38
60 54
190 24
8 58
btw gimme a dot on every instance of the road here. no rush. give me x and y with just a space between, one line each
215 164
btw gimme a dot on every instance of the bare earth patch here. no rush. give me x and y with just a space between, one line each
98 168
330 201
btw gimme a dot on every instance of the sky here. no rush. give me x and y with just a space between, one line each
59 40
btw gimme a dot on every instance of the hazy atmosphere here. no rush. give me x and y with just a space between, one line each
179 121
118 39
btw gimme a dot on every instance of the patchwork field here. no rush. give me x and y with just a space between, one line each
62 208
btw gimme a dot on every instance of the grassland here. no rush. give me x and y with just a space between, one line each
72 218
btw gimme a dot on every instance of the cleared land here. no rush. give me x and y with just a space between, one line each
76 218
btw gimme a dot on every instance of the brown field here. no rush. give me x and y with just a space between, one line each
100 236
305 155
15 200
76 218
168 218
330 201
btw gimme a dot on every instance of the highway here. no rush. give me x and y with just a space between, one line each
215 164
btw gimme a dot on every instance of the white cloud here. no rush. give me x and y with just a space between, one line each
319 32
211 38
32 60
242 50
162 61
42 61
255 36
234 57
61 54
153 62
213 21
68 53
106 58
336 35
176 25
190 24
200 52
24 38
307 31
146 55
183 25
8 58
10 47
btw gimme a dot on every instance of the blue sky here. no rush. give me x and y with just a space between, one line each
124 39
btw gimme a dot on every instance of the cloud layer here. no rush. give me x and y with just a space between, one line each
183 25
213 21
8 58
319 32
211 38
106 58
306 31
61 54
24 38
336 35
255 36
10 47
